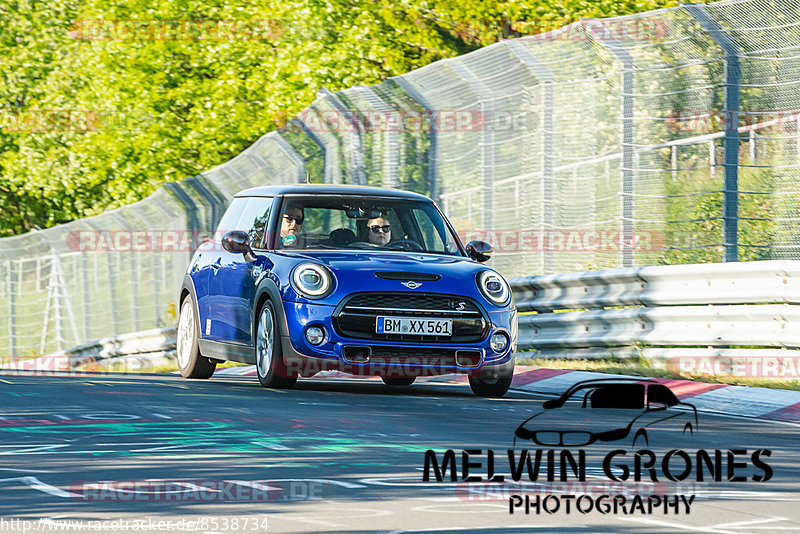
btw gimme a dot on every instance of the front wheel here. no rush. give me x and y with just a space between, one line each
191 363
270 366
495 386
398 380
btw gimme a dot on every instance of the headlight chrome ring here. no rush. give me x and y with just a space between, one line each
312 280
494 287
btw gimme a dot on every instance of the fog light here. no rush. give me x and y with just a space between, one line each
315 335
499 342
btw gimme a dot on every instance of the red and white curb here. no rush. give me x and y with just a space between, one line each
744 401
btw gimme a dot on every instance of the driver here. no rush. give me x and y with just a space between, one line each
292 226
379 231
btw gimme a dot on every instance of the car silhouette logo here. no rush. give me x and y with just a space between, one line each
412 284
610 409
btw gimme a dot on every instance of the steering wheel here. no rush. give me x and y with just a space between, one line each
404 244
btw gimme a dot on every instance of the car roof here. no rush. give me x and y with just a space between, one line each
328 189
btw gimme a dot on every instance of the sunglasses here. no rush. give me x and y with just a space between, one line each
375 229
298 220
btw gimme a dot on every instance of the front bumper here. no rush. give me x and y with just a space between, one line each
388 357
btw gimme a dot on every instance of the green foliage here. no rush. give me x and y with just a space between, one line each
119 114
699 239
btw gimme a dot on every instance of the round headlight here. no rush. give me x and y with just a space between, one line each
494 287
312 280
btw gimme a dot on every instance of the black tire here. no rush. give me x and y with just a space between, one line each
270 367
496 386
191 363
398 380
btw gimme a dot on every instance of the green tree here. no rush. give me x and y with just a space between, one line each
99 110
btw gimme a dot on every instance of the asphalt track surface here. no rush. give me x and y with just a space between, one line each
225 455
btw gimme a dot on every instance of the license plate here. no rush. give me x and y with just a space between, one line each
410 325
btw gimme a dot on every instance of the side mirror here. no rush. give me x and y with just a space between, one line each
479 251
238 242
550 404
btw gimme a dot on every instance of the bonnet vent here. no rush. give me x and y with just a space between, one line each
416 277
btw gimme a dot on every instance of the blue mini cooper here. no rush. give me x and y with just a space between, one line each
307 278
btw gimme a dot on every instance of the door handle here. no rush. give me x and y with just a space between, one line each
215 266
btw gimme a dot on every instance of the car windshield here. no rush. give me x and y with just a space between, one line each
369 223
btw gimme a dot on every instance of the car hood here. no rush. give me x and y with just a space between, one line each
355 271
395 260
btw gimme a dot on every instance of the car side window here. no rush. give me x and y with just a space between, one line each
254 219
433 240
432 233
230 217
660 396
618 396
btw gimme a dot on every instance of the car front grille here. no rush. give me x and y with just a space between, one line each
551 438
355 317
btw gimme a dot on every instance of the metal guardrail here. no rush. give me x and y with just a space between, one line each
706 305
133 352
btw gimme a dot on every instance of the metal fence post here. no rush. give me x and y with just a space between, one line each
674 162
57 278
87 314
136 284
353 152
390 158
433 166
330 151
487 138
189 208
113 275
712 156
291 153
627 108
12 312
730 203
797 132
546 79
